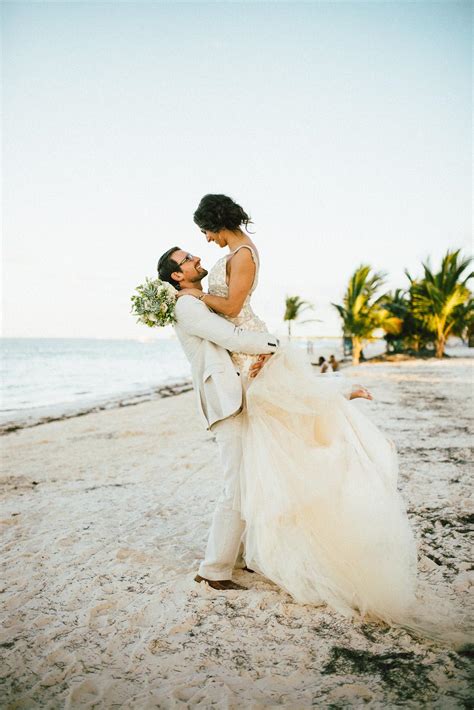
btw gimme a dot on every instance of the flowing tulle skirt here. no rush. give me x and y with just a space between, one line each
324 519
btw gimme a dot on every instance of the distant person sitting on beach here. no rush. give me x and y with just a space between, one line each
334 363
323 365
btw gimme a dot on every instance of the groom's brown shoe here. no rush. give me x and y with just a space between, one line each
222 584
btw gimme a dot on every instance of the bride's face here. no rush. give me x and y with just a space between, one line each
216 237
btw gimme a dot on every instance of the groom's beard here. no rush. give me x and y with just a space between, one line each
199 276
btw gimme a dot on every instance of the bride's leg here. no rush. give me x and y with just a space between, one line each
227 526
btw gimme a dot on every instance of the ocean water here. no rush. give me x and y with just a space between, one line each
57 372
54 376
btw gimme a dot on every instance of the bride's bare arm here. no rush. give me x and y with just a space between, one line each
241 277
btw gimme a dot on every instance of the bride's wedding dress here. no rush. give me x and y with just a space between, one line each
324 519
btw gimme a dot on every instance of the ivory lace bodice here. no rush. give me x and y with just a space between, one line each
246 319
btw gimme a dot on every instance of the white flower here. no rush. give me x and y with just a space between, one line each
170 290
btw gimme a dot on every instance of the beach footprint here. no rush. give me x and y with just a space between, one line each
84 695
131 555
97 615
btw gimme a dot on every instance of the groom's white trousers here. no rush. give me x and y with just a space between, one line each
227 526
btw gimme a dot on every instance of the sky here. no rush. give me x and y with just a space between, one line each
342 128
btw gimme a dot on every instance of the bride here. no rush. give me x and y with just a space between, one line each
318 493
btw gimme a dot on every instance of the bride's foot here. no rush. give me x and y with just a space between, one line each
222 584
360 393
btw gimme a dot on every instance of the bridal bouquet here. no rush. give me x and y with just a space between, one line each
154 302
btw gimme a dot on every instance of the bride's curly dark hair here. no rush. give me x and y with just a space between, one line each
216 212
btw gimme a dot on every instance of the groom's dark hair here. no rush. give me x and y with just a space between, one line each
167 265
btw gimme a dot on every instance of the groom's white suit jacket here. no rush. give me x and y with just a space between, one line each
206 339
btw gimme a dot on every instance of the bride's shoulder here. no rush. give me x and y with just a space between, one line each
245 253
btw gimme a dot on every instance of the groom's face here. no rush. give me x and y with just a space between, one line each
191 270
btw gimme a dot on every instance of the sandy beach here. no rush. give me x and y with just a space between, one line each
105 518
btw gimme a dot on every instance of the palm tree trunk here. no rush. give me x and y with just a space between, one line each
356 350
440 344
289 330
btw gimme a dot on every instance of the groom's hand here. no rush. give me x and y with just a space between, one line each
257 366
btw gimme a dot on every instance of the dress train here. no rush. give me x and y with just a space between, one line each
324 518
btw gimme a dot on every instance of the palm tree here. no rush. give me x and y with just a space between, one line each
404 330
464 325
397 305
439 298
294 307
361 311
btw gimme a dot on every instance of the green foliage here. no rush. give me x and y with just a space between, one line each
464 323
361 312
153 303
440 300
294 307
435 306
408 331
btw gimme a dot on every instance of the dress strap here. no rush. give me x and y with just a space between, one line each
252 251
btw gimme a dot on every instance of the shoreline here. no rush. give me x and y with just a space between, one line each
27 418
43 414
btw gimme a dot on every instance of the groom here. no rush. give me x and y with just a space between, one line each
206 339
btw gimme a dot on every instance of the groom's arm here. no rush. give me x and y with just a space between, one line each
196 319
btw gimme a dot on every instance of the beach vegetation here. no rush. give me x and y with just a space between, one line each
294 307
410 333
417 320
464 325
441 301
362 309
